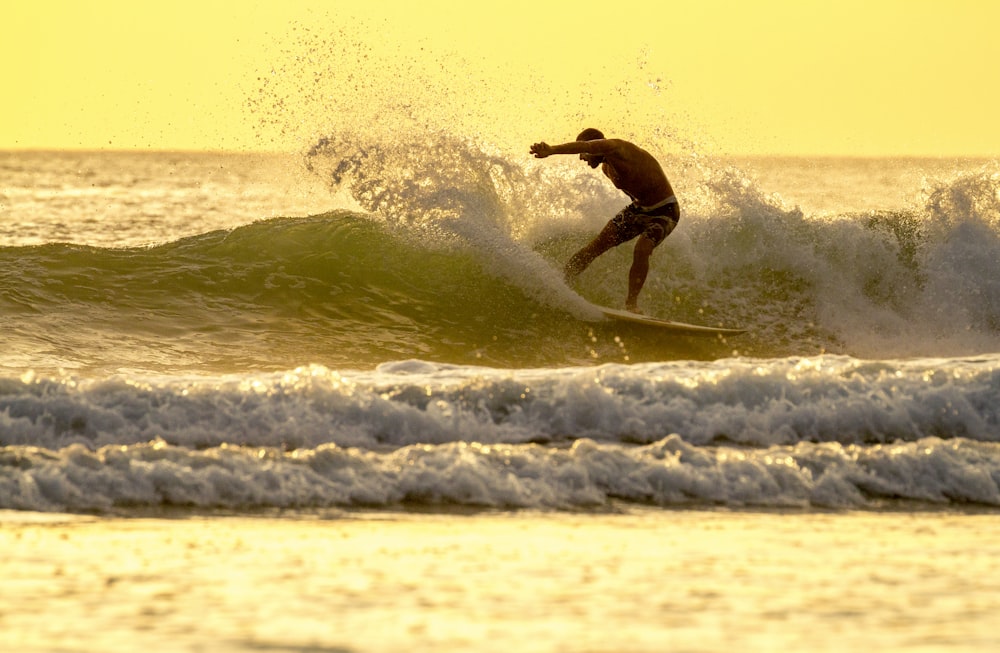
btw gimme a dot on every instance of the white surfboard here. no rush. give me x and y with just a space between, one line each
667 325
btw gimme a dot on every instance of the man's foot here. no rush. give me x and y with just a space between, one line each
633 308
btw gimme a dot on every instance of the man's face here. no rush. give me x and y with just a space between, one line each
593 160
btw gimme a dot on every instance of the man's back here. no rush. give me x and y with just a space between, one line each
636 172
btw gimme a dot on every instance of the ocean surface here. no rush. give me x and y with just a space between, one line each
370 330
251 332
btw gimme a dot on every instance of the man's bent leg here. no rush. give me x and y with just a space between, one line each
601 243
637 273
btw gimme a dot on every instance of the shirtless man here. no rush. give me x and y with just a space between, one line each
652 215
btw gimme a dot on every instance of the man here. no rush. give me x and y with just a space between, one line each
652 215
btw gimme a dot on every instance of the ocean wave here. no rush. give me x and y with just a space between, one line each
432 269
339 289
742 402
586 475
822 432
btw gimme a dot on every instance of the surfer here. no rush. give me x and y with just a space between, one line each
652 215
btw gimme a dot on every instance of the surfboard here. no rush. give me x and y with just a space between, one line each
680 328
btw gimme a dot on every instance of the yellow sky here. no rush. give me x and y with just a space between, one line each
866 77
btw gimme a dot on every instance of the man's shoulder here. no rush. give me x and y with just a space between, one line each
620 142
627 149
621 147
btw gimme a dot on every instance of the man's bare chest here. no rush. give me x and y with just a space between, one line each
622 179
616 177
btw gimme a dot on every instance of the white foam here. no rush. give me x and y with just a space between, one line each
669 472
825 431
914 281
747 401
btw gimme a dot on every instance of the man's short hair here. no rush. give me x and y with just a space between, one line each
590 134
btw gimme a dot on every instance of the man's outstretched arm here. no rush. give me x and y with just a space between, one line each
602 146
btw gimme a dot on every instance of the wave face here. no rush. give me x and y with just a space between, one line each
337 289
819 432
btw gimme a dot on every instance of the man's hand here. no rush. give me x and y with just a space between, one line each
541 150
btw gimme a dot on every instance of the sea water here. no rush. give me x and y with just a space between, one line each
345 401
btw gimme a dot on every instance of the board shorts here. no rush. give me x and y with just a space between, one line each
654 222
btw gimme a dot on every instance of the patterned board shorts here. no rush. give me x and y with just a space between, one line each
656 223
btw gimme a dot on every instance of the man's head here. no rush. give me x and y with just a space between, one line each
591 134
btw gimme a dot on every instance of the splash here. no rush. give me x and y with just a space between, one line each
960 255
360 80
916 281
